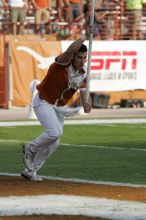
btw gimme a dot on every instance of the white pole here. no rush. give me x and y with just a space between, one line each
90 50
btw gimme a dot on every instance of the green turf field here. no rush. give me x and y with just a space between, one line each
115 152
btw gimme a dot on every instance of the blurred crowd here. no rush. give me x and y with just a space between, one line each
69 19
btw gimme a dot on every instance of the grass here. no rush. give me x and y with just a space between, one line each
117 162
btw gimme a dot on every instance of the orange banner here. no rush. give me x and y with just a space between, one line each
30 60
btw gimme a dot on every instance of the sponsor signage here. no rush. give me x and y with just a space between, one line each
117 65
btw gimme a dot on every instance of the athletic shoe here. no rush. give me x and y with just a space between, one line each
28 157
31 178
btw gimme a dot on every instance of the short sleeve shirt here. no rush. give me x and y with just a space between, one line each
134 4
55 86
16 3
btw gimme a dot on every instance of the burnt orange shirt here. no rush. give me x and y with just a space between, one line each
55 83
42 3
75 1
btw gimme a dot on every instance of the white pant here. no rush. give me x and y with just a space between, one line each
48 141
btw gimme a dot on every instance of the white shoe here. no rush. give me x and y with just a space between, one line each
36 178
31 178
28 157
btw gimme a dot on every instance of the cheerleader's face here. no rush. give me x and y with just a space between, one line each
79 60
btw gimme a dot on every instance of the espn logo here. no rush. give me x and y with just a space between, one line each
108 59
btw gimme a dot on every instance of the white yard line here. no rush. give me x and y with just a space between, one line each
88 121
83 145
11 141
103 147
72 205
75 180
106 121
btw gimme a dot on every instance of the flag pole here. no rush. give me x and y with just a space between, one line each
91 23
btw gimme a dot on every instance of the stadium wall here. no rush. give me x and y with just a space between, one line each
29 58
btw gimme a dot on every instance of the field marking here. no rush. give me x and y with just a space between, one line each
76 121
76 180
85 146
103 147
72 205
11 141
